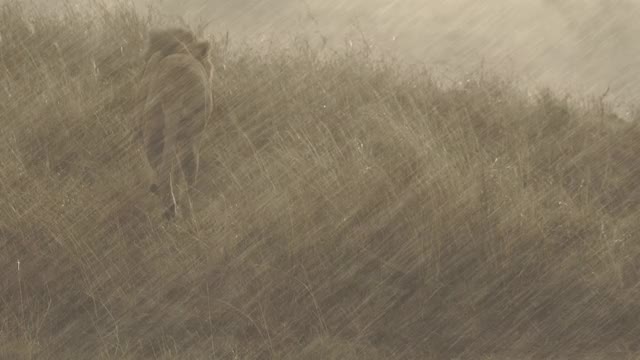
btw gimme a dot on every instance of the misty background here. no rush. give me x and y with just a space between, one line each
578 47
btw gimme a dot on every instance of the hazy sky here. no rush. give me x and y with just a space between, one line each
575 45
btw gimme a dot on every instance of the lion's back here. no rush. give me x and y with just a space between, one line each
179 74
177 82
182 79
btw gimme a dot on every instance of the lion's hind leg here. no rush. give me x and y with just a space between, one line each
154 150
189 163
170 158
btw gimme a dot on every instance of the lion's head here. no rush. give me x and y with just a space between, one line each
166 42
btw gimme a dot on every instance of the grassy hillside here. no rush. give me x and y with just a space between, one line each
349 208
575 46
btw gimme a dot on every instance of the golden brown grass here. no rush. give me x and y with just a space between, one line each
349 208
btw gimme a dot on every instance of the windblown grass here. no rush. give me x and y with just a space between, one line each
350 208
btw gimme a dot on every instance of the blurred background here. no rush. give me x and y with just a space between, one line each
580 47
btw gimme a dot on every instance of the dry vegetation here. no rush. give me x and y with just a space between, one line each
349 208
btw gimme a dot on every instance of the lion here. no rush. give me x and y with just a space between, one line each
175 103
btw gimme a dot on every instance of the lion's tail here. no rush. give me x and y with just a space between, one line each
137 135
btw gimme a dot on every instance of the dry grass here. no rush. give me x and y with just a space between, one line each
350 208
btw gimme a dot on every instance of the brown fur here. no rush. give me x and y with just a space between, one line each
175 102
